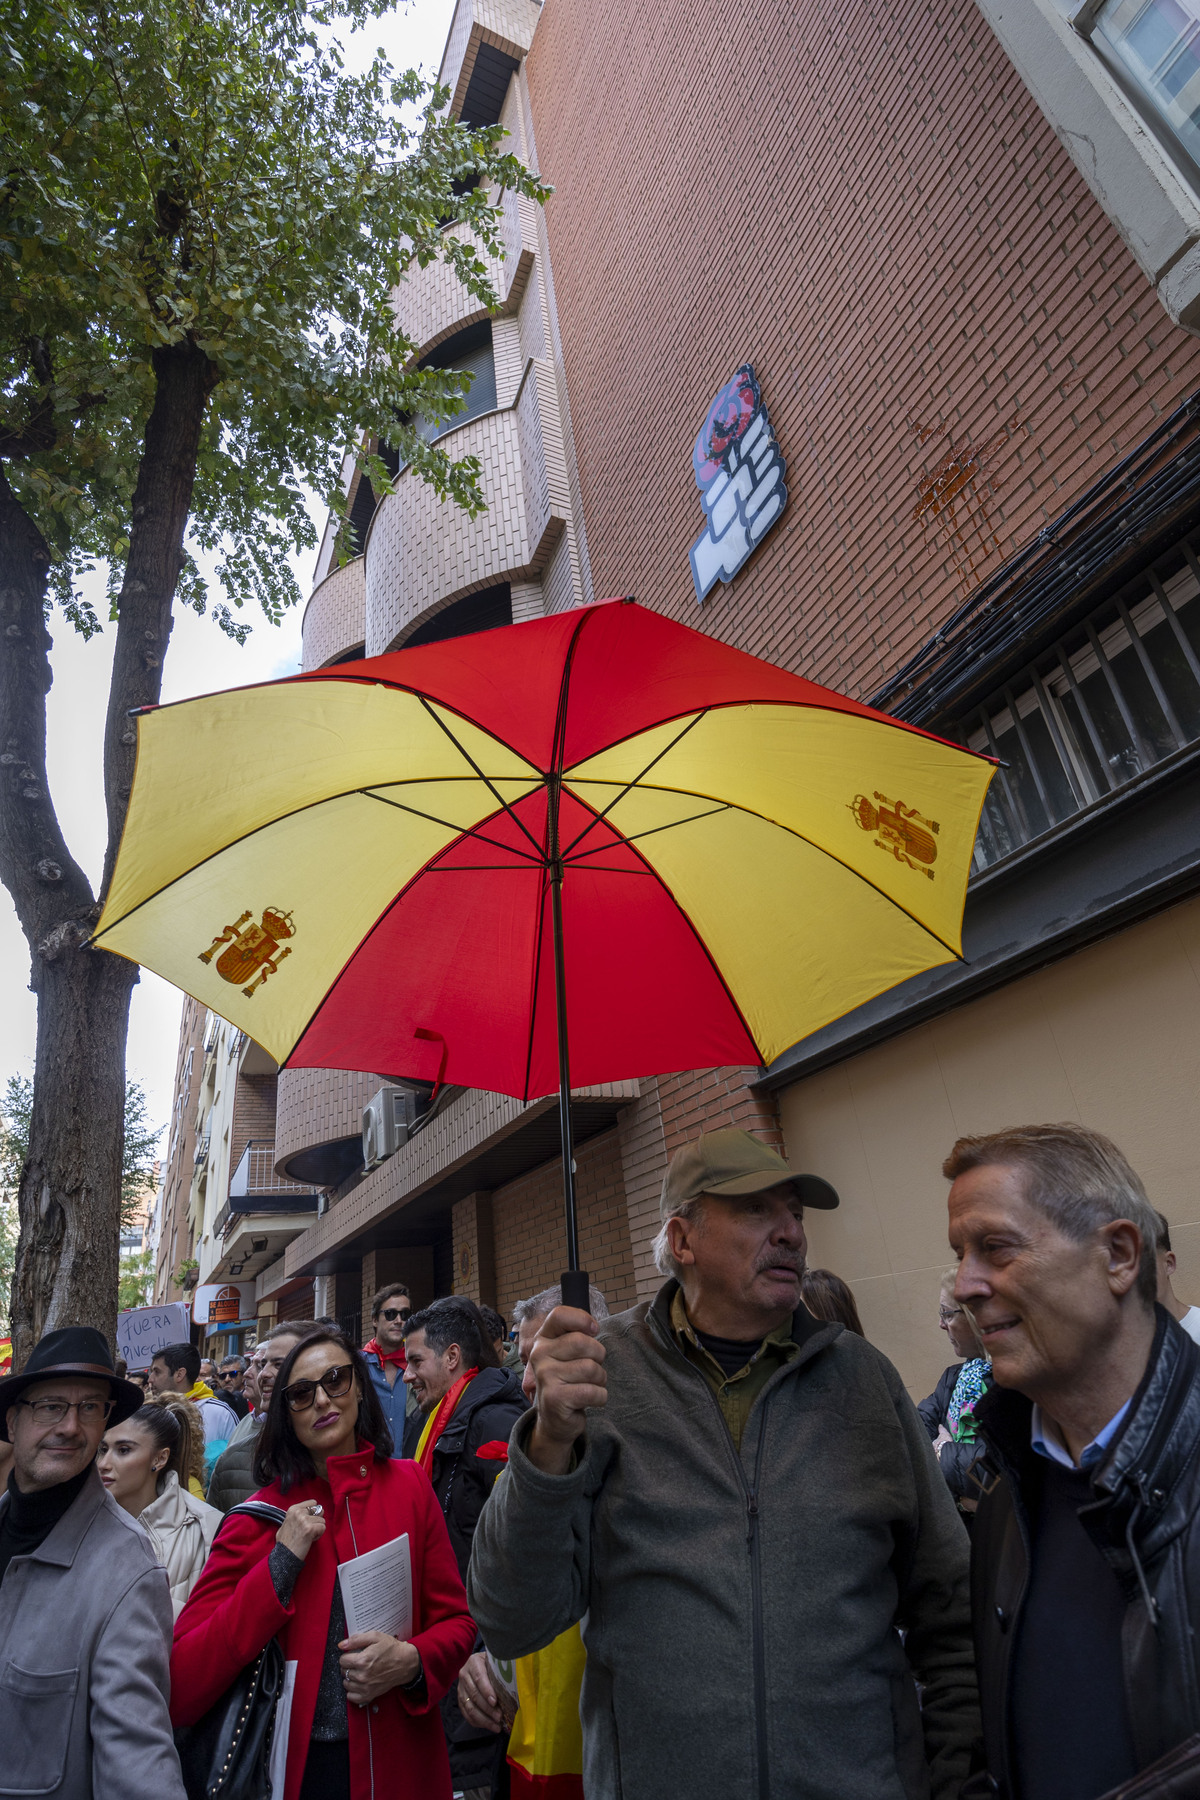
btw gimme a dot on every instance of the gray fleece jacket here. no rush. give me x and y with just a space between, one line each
743 1611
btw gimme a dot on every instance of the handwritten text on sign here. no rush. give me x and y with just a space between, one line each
142 1331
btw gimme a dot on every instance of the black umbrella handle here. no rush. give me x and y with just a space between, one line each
575 1286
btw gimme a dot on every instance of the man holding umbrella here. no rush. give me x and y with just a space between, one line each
85 1611
744 1503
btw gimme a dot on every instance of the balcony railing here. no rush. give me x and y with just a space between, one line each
255 1187
1113 697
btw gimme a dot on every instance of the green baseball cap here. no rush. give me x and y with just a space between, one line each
735 1162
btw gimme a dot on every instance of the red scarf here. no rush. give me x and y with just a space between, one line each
375 1348
441 1419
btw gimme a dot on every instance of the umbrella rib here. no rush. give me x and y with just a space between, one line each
666 749
466 830
470 760
704 949
751 813
633 836
537 977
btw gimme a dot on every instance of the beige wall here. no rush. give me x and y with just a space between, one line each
1110 1037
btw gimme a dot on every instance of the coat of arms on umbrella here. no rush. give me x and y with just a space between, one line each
910 838
251 950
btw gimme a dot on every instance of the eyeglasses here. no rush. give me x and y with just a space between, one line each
230 1374
53 1412
335 1382
945 1314
392 1313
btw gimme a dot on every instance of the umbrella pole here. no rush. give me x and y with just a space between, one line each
574 1281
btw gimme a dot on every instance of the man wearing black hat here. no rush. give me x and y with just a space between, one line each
85 1610
745 1505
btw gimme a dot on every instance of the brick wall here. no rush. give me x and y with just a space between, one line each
422 551
174 1242
867 204
335 619
474 1254
319 1106
412 1266
253 1112
527 1222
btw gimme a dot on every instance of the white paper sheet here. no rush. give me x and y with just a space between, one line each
377 1590
279 1742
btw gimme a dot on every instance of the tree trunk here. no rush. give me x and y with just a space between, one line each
70 1195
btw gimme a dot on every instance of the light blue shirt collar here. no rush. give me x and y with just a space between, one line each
1047 1442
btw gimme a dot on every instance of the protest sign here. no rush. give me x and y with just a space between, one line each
142 1331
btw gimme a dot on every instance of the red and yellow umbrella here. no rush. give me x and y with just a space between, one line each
442 863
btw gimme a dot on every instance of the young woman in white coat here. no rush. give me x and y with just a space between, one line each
143 1463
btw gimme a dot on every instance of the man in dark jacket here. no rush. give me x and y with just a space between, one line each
742 1500
1086 1558
469 1408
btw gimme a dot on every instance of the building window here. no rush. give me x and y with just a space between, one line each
484 610
1113 697
468 352
1155 46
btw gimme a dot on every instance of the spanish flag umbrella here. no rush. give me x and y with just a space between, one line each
595 846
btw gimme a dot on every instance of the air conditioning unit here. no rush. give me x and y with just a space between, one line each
387 1119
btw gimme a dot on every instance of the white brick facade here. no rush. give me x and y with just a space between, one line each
335 619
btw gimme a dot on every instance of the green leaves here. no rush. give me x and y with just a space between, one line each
206 170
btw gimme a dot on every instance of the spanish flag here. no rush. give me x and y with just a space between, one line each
545 1751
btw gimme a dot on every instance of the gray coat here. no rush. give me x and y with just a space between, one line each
742 1610
85 1637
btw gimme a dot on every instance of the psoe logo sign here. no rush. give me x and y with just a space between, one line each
739 471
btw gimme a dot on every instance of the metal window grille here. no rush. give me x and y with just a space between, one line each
1108 701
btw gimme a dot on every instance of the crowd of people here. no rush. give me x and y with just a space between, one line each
704 1547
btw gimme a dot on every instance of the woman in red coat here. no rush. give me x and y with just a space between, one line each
364 1719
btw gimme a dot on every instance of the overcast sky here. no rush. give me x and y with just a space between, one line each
201 659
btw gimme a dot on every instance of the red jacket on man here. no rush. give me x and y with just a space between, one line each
397 1746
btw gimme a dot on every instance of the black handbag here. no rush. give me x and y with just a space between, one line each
226 1755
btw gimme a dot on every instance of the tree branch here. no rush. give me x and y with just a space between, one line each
51 893
184 379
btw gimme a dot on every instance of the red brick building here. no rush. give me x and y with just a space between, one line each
978 360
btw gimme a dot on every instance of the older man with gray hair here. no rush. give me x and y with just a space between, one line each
85 1610
744 1504
530 1315
1086 1573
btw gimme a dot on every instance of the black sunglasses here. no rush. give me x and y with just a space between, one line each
334 1382
392 1313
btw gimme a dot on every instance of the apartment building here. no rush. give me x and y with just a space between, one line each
175 1241
947 260
225 1212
